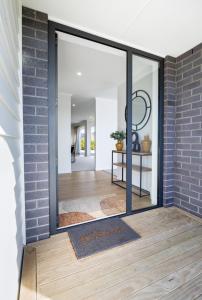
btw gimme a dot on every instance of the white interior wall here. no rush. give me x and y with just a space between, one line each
64 133
106 123
121 96
12 207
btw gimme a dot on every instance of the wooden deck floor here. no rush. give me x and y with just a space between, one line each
166 263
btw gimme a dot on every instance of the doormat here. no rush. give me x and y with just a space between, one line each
93 237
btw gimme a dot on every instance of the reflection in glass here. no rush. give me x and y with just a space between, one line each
145 127
138 110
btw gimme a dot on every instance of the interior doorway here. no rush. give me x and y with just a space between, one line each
82 157
103 91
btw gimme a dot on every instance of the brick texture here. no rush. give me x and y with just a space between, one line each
183 187
35 112
169 128
188 131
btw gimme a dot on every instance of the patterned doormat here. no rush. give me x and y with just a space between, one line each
93 237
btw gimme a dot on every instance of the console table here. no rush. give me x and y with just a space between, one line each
139 168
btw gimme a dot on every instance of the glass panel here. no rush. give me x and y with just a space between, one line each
145 132
91 105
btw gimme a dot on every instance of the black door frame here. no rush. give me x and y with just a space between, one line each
52 102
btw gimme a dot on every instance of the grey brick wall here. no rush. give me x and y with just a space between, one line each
35 111
169 129
183 125
188 130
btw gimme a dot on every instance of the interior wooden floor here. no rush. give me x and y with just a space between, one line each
87 186
166 263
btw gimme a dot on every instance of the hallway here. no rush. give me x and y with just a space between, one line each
89 195
83 163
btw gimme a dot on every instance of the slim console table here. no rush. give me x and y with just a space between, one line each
139 168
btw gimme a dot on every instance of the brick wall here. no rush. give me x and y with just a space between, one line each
183 131
169 128
188 131
35 110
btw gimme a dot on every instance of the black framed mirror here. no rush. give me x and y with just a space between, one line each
141 109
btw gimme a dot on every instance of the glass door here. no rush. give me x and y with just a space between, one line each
145 87
90 123
105 128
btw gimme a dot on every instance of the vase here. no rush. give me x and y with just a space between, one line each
135 142
119 146
146 144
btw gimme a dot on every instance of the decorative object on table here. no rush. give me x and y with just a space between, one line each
146 144
135 142
119 136
141 109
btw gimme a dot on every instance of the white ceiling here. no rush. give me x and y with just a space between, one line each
157 26
103 68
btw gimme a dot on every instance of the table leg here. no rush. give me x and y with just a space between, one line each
140 175
122 166
112 173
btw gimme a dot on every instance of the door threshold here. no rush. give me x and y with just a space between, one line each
90 221
137 211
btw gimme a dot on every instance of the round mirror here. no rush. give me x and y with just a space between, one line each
138 110
141 109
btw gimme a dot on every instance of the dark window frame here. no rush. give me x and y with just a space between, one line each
52 103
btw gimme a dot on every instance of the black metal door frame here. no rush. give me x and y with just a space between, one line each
52 98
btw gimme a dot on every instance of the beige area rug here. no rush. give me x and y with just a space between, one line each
73 218
73 211
90 205
113 205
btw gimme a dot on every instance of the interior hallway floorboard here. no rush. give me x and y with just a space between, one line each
89 195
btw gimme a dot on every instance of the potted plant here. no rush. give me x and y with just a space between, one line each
119 136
